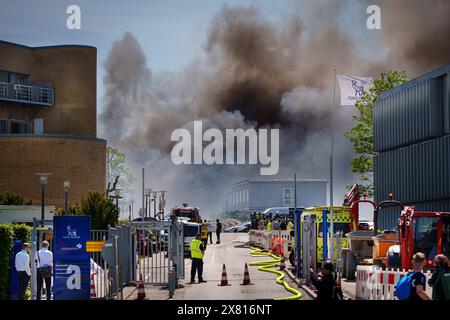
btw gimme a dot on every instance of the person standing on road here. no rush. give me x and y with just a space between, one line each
204 234
197 251
22 263
437 279
44 265
290 228
218 230
269 226
209 226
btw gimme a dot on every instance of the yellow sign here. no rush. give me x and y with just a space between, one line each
94 246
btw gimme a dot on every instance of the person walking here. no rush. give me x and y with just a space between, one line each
325 284
437 279
197 252
44 265
22 262
209 226
218 230
418 278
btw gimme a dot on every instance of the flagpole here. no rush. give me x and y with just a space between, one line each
331 173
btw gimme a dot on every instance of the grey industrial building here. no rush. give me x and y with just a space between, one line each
412 138
259 194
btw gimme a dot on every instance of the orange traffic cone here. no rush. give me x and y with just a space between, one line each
93 294
141 289
246 280
282 264
224 281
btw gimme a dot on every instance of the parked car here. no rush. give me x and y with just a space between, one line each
243 227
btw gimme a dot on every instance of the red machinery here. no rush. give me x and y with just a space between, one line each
192 213
423 231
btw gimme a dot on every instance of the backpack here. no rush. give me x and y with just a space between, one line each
404 287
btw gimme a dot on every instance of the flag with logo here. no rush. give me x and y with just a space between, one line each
352 88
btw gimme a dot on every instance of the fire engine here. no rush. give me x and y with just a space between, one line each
191 213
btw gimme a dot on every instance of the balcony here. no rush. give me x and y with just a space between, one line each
26 94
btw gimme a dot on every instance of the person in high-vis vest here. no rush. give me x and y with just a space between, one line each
197 251
204 235
269 226
290 228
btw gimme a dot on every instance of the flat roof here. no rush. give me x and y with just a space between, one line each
52 46
279 180
434 73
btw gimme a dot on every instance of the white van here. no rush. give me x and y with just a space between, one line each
190 229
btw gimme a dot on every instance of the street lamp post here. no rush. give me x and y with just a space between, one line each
43 181
117 196
66 195
147 194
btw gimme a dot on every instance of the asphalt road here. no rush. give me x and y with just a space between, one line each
234 258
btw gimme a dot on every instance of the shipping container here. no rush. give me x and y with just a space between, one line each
417 173
413 112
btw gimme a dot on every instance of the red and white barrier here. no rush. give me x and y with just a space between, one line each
373 283
263 238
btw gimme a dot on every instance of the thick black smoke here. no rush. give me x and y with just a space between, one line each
259 73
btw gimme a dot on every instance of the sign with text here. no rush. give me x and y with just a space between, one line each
94 246
71 260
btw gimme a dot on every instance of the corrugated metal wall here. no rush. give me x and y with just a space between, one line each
412 134
410 115
417 173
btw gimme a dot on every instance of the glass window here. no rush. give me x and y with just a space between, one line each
19 127
288 197
190 230
425 236
446 236
2 126
344 227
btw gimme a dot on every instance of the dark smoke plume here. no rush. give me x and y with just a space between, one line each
259 73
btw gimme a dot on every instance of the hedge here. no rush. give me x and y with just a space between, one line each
9 233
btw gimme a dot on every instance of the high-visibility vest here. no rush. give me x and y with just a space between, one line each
204 232
269 226
290 226
195 249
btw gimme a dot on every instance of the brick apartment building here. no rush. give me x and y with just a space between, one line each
48 121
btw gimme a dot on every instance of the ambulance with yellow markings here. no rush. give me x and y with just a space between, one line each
341 222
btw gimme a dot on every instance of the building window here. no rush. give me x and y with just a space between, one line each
287 197
18 127
2 126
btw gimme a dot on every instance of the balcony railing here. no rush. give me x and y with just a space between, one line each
26 94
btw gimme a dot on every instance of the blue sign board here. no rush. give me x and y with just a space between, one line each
70 259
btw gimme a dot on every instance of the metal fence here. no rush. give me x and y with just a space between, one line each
100 272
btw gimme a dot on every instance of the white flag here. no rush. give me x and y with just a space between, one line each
352 88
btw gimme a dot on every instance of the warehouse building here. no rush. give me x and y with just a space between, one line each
48 122
259 194
412 136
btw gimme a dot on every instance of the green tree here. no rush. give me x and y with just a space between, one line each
102 210
361 135
9 198
115 163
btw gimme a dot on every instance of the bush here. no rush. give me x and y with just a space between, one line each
8 198
9 233
6 241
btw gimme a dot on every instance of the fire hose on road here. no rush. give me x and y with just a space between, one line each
266 267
